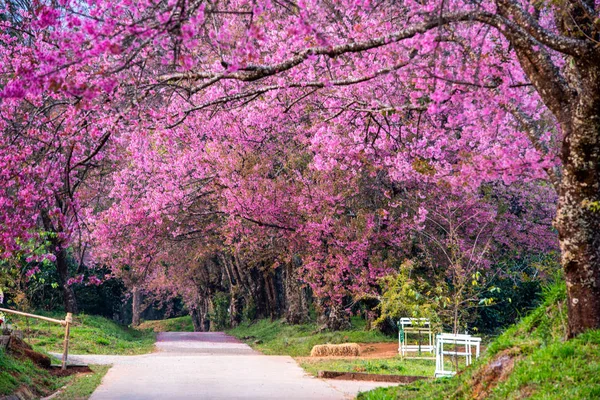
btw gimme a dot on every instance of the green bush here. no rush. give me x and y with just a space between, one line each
220 313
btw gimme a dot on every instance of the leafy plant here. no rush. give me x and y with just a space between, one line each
405 294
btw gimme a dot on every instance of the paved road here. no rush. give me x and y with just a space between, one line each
212 366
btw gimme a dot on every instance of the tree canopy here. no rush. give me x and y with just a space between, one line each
329 139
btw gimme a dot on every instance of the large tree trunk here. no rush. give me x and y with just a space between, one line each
332 317
578 216
337 319
136 308
296 311
62 267
258 293
572 93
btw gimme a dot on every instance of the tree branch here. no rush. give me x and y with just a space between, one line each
265 89
562 44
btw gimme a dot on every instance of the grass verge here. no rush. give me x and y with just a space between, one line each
82 386
89 335
383 366
279 338
530 360
179 324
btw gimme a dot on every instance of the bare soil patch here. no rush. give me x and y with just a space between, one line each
71 370
378 350
20 349
361 376
494 372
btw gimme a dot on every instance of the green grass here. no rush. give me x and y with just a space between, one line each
279 338
179 324
84 385
24 376
384 366
89 335
546 367
17 374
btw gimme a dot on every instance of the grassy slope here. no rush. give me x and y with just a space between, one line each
89 335
546 366
179 324
16 374
279 338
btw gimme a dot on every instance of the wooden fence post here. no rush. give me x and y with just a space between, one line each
68 321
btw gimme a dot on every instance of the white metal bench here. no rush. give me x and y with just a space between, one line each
421 327
470 344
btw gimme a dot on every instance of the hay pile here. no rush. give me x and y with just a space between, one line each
336 350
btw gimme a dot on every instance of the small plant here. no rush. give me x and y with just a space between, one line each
249 311
220 313
3 321
407 295
103 341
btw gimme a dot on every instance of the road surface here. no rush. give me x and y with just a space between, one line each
212 366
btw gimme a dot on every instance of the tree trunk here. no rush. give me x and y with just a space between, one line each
62 267
236 306
235 290
204 311
337 319
195 315
572 93
199 314
578 214
296 311
258 293
332 317
271 294
136 307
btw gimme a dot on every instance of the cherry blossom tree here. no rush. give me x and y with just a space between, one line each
448 93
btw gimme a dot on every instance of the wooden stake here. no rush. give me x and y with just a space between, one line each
69 321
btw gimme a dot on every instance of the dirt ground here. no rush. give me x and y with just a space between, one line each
71 370
378 350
